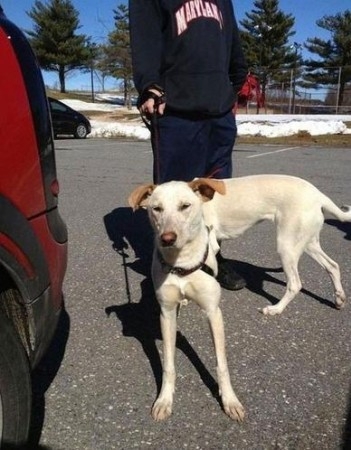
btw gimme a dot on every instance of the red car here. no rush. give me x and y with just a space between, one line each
33 236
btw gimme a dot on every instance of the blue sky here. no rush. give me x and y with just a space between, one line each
96 18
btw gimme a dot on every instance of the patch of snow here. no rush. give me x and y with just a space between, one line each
267 125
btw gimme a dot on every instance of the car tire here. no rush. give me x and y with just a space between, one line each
81 131
15 383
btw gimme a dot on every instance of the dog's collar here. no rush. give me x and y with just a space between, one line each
180 271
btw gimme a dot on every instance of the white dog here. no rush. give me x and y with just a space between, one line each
184 246
186 226
296 208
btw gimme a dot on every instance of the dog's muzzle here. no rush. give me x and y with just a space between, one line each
168 239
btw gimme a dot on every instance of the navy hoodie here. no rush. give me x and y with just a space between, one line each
191 48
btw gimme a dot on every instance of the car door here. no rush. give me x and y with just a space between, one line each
62 120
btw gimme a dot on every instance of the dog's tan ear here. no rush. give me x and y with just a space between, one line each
139 197
207 187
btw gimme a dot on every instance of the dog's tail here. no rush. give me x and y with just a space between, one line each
343 213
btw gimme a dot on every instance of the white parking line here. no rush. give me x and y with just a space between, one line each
275 151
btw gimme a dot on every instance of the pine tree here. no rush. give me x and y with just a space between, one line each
333 67
265 42
118 60
55 40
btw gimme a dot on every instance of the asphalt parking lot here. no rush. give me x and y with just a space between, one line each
292 372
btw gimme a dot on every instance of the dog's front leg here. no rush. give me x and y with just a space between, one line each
162 407
232 406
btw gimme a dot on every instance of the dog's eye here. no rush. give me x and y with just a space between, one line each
184 206
157 209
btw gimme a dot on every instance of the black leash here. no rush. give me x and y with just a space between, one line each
151 122
155 139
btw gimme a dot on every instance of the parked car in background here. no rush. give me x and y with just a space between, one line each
67 121
33 236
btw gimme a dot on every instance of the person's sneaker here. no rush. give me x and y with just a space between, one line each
227 277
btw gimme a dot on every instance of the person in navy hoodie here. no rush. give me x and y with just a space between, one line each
188 66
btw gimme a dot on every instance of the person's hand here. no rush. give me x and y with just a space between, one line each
154 103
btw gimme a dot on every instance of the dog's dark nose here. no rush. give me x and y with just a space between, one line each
168 238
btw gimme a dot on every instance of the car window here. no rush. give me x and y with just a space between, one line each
56 106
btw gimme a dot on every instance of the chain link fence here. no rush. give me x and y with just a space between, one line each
294 96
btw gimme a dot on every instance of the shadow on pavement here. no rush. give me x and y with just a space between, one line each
345 227
132 237
256 277
347 429
5 446
43 376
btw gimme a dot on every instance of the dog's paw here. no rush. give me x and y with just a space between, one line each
340 300
161 410
270 310
234 409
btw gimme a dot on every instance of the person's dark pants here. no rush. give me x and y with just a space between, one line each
185 148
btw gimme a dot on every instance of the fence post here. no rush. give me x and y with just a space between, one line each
338 91
291 89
